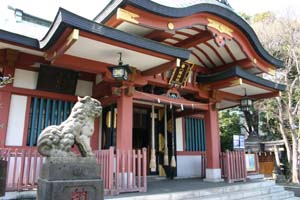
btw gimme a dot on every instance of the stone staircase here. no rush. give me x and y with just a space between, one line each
260 190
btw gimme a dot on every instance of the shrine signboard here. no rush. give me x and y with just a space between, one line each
180 74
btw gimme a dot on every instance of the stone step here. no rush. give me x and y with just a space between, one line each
293 198
242 194
236 191
273 196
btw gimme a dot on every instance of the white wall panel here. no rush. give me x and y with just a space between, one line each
25 79
179 138
189 166
16 120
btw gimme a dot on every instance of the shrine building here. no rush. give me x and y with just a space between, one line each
161 72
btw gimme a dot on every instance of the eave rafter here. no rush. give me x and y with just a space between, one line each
159 35
75 63
68 38
195 40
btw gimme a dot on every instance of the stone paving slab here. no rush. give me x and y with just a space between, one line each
162 186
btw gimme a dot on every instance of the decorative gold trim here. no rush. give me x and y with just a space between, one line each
73 36
171 26
189 73
236 82
220 27
271 72
254 61
126 15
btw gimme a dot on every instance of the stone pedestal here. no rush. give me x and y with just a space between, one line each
70 178
213 175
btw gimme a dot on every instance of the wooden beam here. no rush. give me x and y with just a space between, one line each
62 45
229 82
105 101
81 64
266 95
29 59
221 95
102 89
194 40
175 102
159 35
185 113
160 69
39 93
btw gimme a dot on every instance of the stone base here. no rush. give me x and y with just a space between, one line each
213 175
70 178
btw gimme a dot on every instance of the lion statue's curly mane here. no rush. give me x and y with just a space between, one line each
57 141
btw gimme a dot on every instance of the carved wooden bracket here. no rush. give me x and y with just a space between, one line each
220 31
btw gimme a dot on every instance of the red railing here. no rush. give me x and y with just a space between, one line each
120 171
123 171
23 168
233 166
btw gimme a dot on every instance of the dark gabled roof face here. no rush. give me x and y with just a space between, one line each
65 19
19 39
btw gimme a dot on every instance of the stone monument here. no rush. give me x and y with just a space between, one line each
65 175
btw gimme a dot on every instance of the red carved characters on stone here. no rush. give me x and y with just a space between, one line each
79 194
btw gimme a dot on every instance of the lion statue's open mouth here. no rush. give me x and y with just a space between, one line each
57 140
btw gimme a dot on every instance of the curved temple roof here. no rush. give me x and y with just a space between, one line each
66 19
238 72
187 8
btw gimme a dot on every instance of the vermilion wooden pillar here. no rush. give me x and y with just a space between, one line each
4 112
5 97
213 171
124 122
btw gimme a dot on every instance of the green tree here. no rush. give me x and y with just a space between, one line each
229 126
282 40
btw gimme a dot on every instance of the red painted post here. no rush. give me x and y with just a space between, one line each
117 171
144 170
20 180
123 169
15 168
34 168
129 180
4 110
124 122
28 167
212 139
227 173
244 165
111 168
139 168
8 156
133 168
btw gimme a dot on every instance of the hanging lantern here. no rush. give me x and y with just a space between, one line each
120 71
246 103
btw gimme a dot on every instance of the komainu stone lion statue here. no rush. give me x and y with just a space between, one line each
57 141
